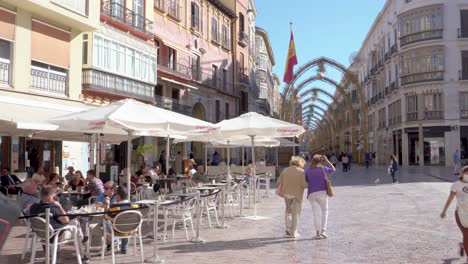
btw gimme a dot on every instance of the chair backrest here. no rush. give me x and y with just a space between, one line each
39 226
133 188
127 222
188 205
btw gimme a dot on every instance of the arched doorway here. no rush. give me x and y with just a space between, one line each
197 148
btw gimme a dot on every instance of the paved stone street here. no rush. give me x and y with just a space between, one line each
368 223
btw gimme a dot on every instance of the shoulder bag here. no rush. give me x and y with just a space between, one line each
328 184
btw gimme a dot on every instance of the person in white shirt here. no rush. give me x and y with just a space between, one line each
459 190
192 171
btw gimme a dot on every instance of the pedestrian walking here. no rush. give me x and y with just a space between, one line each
456 162
344 162
316 176
458 190
292 184
393 168
333 160
368 159
350 160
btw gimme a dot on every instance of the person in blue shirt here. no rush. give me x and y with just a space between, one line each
107 197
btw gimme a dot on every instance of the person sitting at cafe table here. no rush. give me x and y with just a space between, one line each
10 181
58 217
94 184
121 203
199 176
191 170
71 173
29 196
107 198
77 180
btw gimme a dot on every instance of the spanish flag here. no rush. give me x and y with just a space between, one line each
290 61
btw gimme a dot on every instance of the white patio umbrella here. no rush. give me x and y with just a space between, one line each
135 118
253 124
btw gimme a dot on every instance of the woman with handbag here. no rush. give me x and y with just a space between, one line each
291 186
319 189
459 190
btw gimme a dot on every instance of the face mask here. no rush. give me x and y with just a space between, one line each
465 177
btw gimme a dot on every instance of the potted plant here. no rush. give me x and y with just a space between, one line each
145 151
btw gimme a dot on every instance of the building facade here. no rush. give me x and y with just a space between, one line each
264 61
414 67
41 51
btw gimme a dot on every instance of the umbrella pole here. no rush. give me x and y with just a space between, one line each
167 155
129 161
206 157
91 152
228 161
254 175
98 155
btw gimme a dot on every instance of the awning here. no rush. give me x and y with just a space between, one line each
179 83
28 118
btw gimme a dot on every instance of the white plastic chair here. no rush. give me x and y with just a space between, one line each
38 225
232 198
128 222
264 180
184 216
29 232
210 204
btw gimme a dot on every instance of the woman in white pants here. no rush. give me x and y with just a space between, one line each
317 192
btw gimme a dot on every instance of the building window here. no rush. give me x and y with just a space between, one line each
464 70
158 51
5 60
225 37
241 22
394 113
173 8
433 106
411 108
241 63
422 65
218 111
48 78
464 105
139 15
80 6
172 59
214 29
421 24
463 31
382 118
85 49
159 4
224 78
195 65
123 60
214 76
195 16
226 111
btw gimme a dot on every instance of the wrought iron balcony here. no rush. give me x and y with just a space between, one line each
464 114
462 33
177 69
393 49
433 115
243 39
4 71
47 80
244 78
413 116
421 36
173 105
422 77
126 16
116 84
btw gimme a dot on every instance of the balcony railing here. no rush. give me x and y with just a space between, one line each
462 75
433 115
422 77
116 84
412 116
4 71
173 105
126 16
462 33
393 49
243 39
464 114
244 78
177 69
79 6
421 36
46 80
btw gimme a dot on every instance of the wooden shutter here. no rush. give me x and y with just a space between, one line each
7 25
50 45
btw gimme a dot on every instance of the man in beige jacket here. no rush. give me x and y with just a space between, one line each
292 183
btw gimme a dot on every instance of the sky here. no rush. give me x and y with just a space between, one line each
329 28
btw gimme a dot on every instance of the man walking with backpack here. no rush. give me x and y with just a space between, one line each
393 168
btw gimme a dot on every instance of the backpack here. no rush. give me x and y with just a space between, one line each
394 165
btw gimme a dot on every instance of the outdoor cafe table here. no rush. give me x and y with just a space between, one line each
181 194
165 180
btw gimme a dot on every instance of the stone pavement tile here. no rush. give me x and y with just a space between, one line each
368 223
